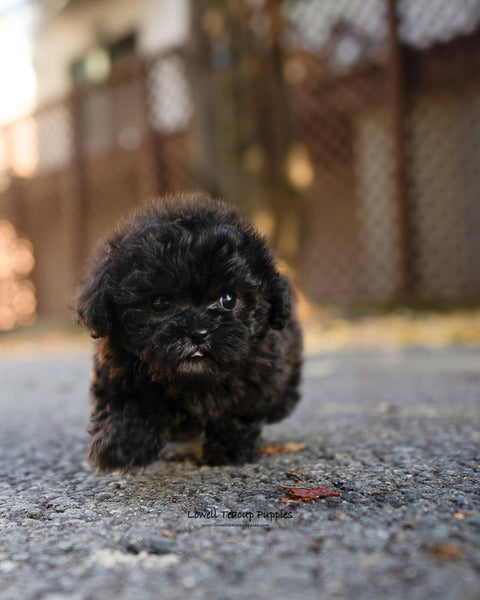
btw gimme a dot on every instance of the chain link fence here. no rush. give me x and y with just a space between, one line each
349 131
70 171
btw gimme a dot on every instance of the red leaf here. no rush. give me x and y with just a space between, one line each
306 494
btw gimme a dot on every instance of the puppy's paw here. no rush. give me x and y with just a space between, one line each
236 442
108 452
215 456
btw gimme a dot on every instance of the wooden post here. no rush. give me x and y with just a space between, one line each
397 99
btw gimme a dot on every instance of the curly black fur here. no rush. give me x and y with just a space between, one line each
172 359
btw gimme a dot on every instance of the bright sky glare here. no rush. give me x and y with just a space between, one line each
16 70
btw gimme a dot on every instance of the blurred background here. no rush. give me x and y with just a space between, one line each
347 130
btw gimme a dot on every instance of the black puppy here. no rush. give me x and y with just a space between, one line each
196 335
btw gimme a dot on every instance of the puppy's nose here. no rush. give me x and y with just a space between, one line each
198 335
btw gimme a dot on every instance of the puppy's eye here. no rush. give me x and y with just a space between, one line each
159 303
228 301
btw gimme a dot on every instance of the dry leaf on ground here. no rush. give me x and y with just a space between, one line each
167 533
461 516
277 450
446 551
307 494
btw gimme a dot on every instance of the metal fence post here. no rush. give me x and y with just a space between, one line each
398 105
79 196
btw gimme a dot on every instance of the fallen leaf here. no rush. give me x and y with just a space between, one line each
294 446
167 533
277 450
446 551
287 500
379 493
461 516
272 449
297 471
308 494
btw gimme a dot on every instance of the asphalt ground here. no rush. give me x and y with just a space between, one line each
396 434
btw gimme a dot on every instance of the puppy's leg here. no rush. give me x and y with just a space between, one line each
123 438
230 443
289 399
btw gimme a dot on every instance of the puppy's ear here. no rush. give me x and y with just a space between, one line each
93 304
279 294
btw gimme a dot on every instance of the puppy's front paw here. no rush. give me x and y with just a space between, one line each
235 445
215 455
109 451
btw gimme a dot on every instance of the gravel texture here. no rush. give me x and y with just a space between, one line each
397 435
